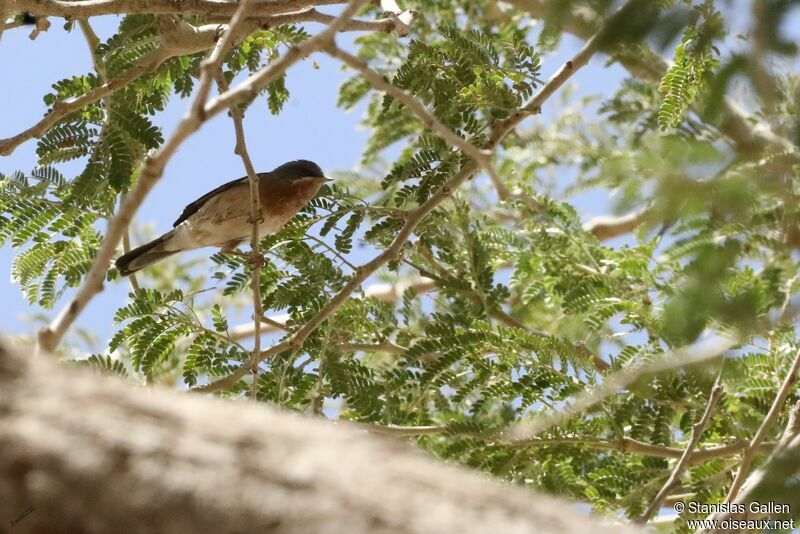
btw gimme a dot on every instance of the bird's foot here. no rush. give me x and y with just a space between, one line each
257 262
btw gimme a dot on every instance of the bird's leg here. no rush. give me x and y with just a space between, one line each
258 262
230 248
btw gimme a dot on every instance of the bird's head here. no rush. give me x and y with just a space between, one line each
300 170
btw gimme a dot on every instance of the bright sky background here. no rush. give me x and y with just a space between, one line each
310 127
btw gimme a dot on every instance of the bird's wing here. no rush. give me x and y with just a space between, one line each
192 208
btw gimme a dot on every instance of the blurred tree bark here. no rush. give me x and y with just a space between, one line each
88 453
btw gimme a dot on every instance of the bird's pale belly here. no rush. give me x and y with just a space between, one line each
222 233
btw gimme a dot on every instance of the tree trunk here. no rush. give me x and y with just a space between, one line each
86 453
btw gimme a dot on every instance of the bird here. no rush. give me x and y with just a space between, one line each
221 218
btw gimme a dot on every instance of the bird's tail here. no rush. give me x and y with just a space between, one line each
145 255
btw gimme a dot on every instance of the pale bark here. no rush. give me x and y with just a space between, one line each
95 454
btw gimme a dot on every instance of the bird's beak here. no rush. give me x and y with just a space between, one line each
327 180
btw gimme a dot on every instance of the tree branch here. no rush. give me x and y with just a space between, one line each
380 291
179 38
623 445
94 8
144 65
736 124
612 383
256 216
151 172
92 40
607 227
413 218
182 463
769 482
772 416
697 432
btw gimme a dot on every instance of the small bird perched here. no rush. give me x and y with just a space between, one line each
221 218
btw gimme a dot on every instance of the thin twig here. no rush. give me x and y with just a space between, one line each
249 88
380 291
385 346
126 247
697 432
772 416
152 170
625 445
443 275
177 38
144 65
612 383
256 217
745 133
92 40
774 467
379 82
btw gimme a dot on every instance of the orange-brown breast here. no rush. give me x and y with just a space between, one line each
283 198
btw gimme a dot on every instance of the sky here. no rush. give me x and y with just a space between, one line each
310 127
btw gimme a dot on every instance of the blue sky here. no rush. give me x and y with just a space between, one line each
311 127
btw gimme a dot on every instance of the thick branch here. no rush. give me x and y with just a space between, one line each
94 454
93 8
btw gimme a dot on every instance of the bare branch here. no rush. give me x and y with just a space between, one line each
256 217
772 416
93 8
386 25
609 226
697 432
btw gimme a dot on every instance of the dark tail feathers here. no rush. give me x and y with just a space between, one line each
141 257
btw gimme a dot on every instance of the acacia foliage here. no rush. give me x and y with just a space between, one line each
526 300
